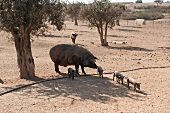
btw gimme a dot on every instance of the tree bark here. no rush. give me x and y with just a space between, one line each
102 40
117 23
75 20
101 36
105 36
24 54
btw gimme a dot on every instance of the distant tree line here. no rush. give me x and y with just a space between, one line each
147 15
153 8
139 1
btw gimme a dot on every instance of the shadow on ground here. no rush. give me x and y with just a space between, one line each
130 48
55 36
156 67
133 26
86 87
128 30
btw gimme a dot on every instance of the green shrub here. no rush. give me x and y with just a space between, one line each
142 15
146 7
153 8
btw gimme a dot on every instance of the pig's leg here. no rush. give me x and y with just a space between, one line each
77 69
72 76
56 67
134 87
113 76
82 68
128 83
122 81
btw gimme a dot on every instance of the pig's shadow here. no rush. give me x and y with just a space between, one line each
85 87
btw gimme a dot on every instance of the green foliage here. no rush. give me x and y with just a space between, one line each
33 13
74 9
154 8
20 18
159 1
56 14
139 1
100 13
146 7
143 15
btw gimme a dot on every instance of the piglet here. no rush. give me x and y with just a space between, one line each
134 82
100 71
71 73
1 81
119 77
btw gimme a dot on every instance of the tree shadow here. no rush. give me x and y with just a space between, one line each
84 31
128 30
156 67
52 36
86 87
146 68
55 36
130 48
85 25
119 36
116 36
133 26
70 29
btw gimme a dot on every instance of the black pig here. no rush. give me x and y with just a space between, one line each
119 77
100 71
71 73
71 54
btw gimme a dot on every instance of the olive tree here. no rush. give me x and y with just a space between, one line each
101 14
122 9
158 2
73 11
20 18
139 1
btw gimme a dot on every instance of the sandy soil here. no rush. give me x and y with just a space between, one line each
145 57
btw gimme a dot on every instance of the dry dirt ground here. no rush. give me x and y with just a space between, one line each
145 57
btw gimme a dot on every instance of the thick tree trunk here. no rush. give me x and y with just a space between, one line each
24 53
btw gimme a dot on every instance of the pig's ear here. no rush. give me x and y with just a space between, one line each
74 34
92 60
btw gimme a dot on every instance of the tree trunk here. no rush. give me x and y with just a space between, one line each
105 36
24 53
72 19
101 36
102 40
117 23
75 19
157 4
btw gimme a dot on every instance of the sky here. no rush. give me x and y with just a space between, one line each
88 1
